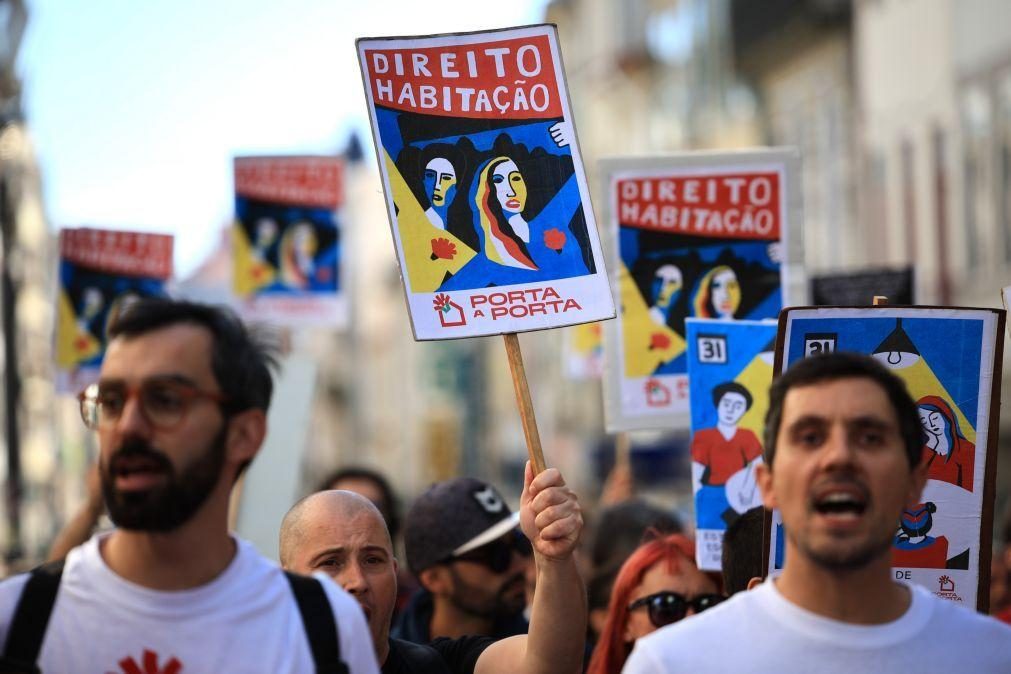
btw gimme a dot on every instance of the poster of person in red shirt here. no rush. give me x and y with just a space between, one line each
729 372
484 182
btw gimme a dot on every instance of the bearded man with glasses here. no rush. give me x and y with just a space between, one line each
180 410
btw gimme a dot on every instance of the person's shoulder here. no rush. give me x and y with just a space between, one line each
10 593
11 590
959 619
463 652
697 643
698 629
407 656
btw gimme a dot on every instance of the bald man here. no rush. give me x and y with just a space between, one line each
344 535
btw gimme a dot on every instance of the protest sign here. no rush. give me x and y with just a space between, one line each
484 182
100 272
287 240
948 358
859 287
584 352
729 373
704 235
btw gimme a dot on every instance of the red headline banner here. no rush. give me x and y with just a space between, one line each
126 253
302 181
504 79
728 206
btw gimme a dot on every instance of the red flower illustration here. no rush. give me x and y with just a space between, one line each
554 239
443 248
150 665
658 340
441 302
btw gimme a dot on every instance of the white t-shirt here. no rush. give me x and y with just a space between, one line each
761 631
245 620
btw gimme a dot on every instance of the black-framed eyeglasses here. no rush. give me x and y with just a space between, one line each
497 555
669 607
164 402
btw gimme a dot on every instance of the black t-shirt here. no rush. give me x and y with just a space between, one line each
442 656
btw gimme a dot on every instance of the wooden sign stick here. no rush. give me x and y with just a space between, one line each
622 449
512 344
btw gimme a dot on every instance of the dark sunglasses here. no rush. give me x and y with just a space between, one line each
669 607
497 555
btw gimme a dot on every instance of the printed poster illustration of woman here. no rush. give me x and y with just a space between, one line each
664 287
280 249
949 456
493 208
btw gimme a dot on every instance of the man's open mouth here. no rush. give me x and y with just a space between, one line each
841 501
137 472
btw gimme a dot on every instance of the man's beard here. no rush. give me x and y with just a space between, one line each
846 557
167 506
508 600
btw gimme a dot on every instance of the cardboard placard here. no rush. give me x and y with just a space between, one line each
584 352
948 358
704 235
101 271
729 373
287 240
484 182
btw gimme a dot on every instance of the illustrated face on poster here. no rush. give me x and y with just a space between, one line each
729 373
695 236
484 182
946 358
286 240
101 273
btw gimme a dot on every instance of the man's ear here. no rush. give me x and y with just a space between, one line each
436 579
754 582
763 476
246 432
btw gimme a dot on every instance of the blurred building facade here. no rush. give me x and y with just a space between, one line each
31 459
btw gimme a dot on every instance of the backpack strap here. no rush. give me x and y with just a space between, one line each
320 626
31 617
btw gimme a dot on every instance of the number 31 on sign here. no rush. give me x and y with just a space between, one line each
819 342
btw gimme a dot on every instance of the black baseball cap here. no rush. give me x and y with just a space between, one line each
454 517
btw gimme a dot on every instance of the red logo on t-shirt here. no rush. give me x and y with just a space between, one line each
150 665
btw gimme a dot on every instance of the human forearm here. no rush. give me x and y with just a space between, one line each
557 635
552 520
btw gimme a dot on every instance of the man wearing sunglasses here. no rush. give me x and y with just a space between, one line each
179 410
842 460
342 534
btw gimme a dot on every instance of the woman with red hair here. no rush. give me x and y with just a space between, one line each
657 585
